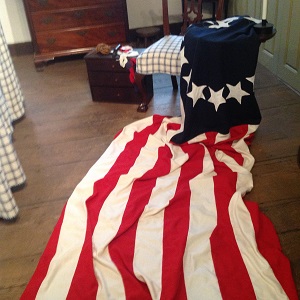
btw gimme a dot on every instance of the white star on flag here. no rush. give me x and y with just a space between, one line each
251 79
257 21
196 92
216 98
187 79
183 59
222 24
236 91
229 20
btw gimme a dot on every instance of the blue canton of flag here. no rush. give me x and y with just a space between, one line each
217 77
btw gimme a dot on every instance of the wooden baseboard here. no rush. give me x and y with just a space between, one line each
20 49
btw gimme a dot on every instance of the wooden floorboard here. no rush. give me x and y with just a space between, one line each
64 133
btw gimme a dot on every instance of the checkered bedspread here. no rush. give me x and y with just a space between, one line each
11 109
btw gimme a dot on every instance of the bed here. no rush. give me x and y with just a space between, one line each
161 214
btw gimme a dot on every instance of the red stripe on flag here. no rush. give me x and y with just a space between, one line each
269 246
173 126
234 280
44 262
122 248
237 133
176 226
84 284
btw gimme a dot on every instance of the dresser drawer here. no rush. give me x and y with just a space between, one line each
98 62
102 14
112 79
115 94
82 38
109 82
41 5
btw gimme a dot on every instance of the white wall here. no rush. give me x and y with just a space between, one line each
141 13
14 22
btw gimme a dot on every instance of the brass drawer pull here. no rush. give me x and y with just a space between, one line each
78 14
82 32
51 41
112 33
42 2
109 13
47 20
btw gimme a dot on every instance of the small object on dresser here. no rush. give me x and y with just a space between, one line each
103 48
126 49
115 51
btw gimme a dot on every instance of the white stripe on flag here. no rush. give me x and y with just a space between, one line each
72 237
200 278
149 235
244 182
265 284
110 219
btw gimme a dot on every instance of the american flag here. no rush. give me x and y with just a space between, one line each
161 214
157 220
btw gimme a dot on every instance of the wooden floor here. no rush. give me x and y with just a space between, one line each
64 133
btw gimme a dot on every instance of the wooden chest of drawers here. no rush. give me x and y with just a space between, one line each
66 27
109 82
